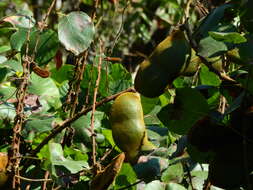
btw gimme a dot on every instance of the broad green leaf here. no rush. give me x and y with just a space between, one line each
120 78
90 75
174 186
173 173
126 177
231 37
7 92
75 154
82 125
18 39
148 104
4 48
63 74
236 103
57 159
46 89
158 135
47 45
108 135
13 64
208 78
157 185
189 107
210 47
4 72
22 20
198 178
2 59
76 32
37 124
7 110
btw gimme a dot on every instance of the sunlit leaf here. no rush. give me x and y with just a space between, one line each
232 37
76 32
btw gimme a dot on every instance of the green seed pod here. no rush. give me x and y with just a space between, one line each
128 127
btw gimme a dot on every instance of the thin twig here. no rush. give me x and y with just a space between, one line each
189 175
42 26
19 118
207 184
95 6
120 28
44 185
187 9
107 153
94 104
131 185
33 180
49 11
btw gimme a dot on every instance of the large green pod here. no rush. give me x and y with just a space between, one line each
128 127
163 65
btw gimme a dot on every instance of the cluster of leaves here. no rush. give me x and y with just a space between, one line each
223 36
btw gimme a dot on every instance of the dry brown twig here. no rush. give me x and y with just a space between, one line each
93 136
68 121
15 157
14 153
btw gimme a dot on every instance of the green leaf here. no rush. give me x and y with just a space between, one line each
22 20
4 48
189 107
4 72
63 74
7 92
2 59
208 78
174 173
108 135
82 125
18 39
13 64
47 46
236 103
157 185
38 124
46 89
199 175
7 111
174 186
57 159
209 47
120 79
148 104
126 177
231 37
76 32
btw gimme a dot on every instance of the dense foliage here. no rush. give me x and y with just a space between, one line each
64 62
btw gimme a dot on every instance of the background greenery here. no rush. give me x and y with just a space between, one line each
183 122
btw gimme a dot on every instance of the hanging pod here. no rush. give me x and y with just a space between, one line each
128 127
